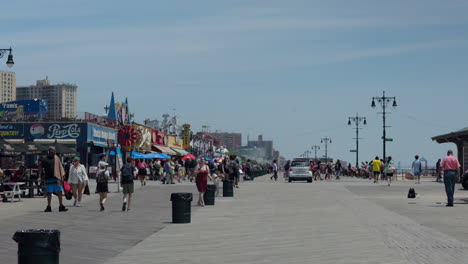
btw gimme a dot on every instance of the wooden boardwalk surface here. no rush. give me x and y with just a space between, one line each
351 221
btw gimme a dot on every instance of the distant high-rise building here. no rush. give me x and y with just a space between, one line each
232 141
266 144
7 86
61 98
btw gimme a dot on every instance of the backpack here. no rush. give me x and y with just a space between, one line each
101 177
411 193
230 167
127 173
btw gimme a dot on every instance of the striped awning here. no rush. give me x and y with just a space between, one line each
180 152
164 149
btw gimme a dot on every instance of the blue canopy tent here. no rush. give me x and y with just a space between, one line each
155 155
136 155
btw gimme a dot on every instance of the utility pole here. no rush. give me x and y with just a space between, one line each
315 148
326 140
384 101
357 120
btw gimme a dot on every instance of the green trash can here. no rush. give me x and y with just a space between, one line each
228 189
181 207
38 246
209 195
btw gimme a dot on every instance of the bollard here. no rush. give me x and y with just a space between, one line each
38 246
228 189
209 195
181 207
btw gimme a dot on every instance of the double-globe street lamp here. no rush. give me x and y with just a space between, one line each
9 62
326 140
384 101
357 121
315 148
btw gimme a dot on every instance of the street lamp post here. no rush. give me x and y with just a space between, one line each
315 148
357 120
384 101
9 62
326 140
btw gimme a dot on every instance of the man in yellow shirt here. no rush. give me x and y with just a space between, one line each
376 164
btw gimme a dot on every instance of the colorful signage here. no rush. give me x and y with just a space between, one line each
11 131
158 137
23 110
144 143
186 136
100 135
175 142
43 130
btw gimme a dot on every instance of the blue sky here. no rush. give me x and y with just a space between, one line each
293 71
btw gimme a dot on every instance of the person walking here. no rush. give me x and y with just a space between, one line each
66 166
102 179
287 167
376 164
128 173
438 171
317 170
177 171
417 169
275 171
78 180
389 169
168 171
451 167
202 172
338 168
248 170
142 172
157 169
328 170
53 175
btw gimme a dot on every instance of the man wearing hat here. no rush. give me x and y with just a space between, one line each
53 175
451 168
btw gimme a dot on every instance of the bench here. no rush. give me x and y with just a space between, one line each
15 191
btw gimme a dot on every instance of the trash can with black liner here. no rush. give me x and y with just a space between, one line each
38 246
209 196
181 207
228 189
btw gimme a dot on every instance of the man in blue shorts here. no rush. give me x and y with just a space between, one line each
417 169
53 175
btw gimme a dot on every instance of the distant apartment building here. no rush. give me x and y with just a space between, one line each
266 144
232 141
61 98
7 86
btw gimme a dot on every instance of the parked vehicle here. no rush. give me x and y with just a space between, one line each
300 170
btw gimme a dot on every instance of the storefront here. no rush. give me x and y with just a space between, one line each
176 144
89 140
98 140
159 142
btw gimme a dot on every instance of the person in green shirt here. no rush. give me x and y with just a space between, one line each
376 164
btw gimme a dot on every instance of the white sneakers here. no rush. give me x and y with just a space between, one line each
76 203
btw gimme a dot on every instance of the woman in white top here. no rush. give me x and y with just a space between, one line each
78 179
